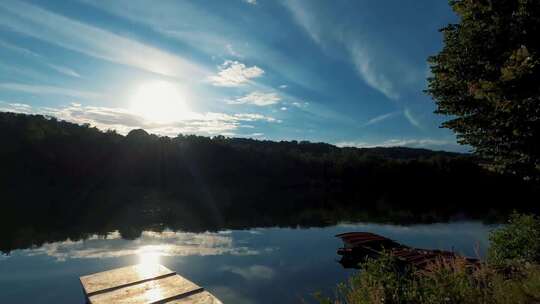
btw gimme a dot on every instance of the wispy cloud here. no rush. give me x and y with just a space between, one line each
380 118
18 49
402 142
49 90
186 22
383 70
93 41
410 117
210 33
299 104
234 73
232 51
26 52
252 2
258 99
64 70
124 120
22 70
305 19
15 107
365 66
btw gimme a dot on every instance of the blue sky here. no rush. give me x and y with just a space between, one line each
343 72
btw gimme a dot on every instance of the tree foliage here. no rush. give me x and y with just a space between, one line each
486 78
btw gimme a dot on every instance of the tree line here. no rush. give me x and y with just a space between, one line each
61 179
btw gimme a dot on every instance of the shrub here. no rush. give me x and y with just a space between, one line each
381 280
451 282
517 242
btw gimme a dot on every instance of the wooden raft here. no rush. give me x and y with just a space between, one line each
359 245
148 284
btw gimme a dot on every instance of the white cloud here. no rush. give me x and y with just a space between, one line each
15 107
380 118
283 108
124 120
283 86
365 66
255 117
413 120
49 90
252 2
233 74
258 99
93 41
414 143
209 33
300 104
64 70
305 19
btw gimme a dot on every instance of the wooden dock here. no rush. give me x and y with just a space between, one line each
359 245
148 284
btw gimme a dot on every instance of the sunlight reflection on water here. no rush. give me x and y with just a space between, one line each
149 259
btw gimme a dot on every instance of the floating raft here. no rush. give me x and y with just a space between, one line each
358 245
148 284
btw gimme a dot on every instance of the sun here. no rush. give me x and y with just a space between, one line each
160 101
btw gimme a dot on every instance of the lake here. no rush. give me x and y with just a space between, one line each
259 265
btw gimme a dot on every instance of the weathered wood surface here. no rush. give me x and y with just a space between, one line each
143 283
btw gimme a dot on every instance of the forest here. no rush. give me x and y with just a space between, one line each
59 179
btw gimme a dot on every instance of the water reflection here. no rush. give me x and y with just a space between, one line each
149 259
257 266
149 246
264 265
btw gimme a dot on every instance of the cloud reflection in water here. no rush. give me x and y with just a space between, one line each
149 246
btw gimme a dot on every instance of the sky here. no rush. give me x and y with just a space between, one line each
349 73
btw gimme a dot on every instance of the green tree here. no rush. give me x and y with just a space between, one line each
486 78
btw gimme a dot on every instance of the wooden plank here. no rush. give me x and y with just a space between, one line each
148 284
102 281
148 292
200 298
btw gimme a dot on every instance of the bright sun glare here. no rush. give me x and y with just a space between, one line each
160 101
149 259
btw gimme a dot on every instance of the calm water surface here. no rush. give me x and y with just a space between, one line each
270 265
